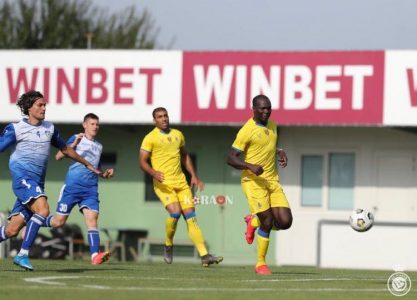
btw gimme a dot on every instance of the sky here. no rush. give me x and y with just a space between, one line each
280 25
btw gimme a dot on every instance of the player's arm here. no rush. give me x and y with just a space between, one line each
144 157
70 152
188 164
234 160
7 138
283 159
59 155
59 143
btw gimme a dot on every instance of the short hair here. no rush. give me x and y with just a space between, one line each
258 98
26 101
158 109
90 116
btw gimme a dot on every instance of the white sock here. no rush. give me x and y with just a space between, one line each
23 252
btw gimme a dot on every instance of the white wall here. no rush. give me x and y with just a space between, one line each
385 182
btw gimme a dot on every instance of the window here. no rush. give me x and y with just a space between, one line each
108 160
150 195
341 180
311 180
327 180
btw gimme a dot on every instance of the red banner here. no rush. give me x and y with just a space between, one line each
304 87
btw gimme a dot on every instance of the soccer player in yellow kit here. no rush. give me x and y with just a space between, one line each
165 147
257 140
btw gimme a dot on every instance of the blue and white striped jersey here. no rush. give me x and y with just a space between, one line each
31 148
78 176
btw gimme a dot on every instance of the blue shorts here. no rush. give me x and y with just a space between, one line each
85 199
21 209
27 189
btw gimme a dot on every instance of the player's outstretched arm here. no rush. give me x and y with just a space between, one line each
70 152
234 160
59 155
7 137
188 163
146 167
283 159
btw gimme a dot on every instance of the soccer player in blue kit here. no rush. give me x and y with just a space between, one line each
31 139
81 186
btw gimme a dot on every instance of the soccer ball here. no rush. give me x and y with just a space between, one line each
361 220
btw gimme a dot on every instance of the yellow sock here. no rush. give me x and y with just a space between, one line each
255 222
170 228
263 243
195 234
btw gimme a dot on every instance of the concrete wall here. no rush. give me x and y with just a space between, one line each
385 183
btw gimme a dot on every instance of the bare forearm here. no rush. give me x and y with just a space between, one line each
146 167
189 165
236 162
70 152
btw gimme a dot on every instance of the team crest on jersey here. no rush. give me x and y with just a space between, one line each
266 131
48 133
176 139
169 139
38 134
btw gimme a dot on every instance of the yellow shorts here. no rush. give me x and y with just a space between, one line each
263 194
174 193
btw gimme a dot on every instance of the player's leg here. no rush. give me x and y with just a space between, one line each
252 221
40 210
170 200
194 232
258 199
12 228
174 210
65 204
282 217
265 227
90 209
280 207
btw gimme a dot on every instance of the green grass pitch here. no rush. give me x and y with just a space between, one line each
114 280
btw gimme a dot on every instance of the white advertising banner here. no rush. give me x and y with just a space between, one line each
400 88
120 86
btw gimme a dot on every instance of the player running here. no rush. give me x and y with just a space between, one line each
269 206
165 147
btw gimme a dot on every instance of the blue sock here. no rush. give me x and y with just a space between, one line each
47 222
3 236
94 240
32 229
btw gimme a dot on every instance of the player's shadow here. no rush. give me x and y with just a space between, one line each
87 270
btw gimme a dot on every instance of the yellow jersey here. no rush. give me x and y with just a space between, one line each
258 143
165 153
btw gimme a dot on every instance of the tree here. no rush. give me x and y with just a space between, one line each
72 24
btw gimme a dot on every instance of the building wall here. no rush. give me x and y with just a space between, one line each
385 184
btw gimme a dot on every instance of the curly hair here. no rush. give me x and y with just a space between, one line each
26 101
